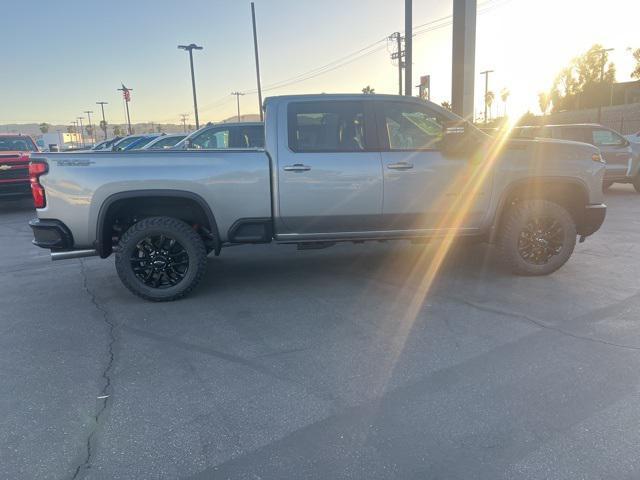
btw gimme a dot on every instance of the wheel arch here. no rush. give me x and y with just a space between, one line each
115 203
571 193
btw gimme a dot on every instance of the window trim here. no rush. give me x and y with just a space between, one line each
370 131
383 138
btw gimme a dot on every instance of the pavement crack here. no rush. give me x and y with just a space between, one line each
541 324
104 398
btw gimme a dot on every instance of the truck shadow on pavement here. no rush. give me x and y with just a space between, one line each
396 264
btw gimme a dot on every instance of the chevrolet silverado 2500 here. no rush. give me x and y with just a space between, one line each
334 168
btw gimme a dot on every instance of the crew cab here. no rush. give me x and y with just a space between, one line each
335 168
14 164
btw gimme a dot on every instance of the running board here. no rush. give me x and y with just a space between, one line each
73 254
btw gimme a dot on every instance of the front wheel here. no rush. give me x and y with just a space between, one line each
537 237
161 259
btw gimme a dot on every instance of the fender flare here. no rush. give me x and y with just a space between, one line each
110 200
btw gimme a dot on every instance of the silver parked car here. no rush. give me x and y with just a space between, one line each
225 135
623 160
164 141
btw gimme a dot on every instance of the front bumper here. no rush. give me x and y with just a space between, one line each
15 189
51 234
592 219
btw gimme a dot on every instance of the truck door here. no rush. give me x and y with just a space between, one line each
329 174
423 188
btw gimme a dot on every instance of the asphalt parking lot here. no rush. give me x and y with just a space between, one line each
324 364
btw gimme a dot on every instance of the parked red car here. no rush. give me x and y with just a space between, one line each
14 164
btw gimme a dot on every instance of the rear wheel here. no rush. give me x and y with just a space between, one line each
161 259
537 238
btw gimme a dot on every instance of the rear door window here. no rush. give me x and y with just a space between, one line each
327 127
212 138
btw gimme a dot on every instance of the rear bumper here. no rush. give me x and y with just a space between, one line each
51 234
592 219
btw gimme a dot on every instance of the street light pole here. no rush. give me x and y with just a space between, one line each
93 134
486 90
238 95
104 122
190 48
255 47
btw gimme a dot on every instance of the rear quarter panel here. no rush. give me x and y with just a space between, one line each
235 184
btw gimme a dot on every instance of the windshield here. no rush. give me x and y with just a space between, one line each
166 142
18 143
125 142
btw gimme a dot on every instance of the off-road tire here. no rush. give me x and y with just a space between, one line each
183 234
636 183
515 228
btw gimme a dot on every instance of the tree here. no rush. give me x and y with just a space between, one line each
636 70
446 105
504 96
368 90
103 126
159 128
117 131
44 127
544 100
585 82
89 129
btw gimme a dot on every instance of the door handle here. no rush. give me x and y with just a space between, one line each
400 166
297 167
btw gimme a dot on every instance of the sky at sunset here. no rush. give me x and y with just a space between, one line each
62 57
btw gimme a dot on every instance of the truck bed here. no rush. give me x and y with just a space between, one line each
234 183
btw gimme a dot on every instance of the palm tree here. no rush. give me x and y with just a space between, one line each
44 127
446 105
504 96
489 98
368 90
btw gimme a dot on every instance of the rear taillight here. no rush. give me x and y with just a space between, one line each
35 170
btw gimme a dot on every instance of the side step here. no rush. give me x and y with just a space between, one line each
73 254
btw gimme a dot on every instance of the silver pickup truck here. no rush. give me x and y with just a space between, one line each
335 168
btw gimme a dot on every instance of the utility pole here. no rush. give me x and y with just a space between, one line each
184 117
93 134
190 48
126 95
81 134
104 122
398 55
75 138
603 53
408 47
238 95
486 90
255 48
